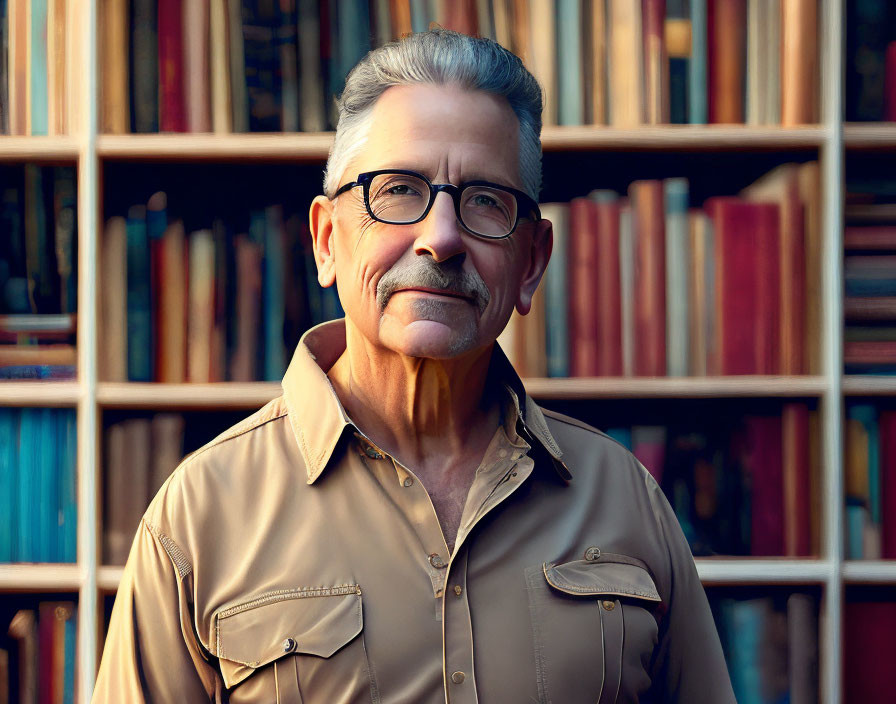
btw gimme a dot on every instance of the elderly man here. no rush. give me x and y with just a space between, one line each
404 524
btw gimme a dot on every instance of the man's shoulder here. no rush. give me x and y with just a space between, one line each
582 432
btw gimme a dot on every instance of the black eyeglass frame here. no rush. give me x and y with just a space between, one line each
524 203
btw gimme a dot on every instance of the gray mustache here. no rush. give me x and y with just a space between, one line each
426 272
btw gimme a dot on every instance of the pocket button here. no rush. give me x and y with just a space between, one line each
592 553
608 605
458 677
289 645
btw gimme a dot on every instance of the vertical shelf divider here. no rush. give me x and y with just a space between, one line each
831 91
88 411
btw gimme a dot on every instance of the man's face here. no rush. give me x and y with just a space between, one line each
431 289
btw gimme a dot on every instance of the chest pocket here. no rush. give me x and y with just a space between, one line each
295 646
593 628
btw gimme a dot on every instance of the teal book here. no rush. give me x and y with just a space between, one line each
273 292
354 33
866 414
556 292
156 222
9 443
39 100
675 195
679 66
48 486
29 456
421 15
70 649
698 106
622 436
743 622
139 300
571 106
67 525
855 529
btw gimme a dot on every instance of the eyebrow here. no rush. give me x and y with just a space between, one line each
476 176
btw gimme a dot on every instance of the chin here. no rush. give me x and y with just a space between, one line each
432 340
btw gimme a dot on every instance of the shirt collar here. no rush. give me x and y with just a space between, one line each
318 419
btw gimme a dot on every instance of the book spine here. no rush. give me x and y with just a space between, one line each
172 108
698 105
9 463
144 66
557 292
677 270
139 301
274 287
569 47
37 49
197 80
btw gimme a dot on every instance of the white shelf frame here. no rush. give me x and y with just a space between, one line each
830 571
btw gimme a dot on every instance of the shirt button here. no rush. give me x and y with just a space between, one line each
592 554
436 561
408 481
289 645
608 605
458 590
457 677
502 453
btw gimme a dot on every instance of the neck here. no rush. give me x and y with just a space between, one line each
416 409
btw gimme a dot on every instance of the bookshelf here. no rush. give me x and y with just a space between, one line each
91 150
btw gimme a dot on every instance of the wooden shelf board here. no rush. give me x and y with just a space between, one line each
44 148
39 393
869 385
749 570
685 137
312 147
32 577
869 135
221 395
315 146
869 571
675 387
108 577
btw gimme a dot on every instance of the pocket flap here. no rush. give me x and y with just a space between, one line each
256 632
602 576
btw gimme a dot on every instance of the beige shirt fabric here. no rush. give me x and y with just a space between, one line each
291 560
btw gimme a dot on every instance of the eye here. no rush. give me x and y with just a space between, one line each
400 189
484 200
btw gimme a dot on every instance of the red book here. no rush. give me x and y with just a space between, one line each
46 650
768 289
764 467
650 277
887 421
869 652
797 493
608 303
656 61
735 251
172 109
890 83
583 262
870 237
726 34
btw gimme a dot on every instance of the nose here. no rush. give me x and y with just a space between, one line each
440 234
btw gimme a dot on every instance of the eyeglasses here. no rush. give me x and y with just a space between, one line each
485 209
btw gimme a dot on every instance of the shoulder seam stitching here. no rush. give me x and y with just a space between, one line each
172 549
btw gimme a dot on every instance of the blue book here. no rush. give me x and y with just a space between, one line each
38 68
9 444
47 499
556 292
621 435
571 107
866 414
675 195
139 302
860 286
274 284
743 621
698 107
71 643
354 33
855 526
67 534
29 455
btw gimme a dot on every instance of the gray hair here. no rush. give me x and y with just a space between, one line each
439 56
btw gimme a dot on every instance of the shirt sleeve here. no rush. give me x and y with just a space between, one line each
152 653
689 665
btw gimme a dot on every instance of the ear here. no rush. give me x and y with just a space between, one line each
321 223
539 255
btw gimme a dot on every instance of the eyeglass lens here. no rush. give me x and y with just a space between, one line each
399 198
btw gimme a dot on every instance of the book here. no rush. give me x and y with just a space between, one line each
656 61
144 66
867 636
625 63
219 68
650 277
799 61
115 85
114 277
675 197
196 58
172 96
556 291
726 60
139 296
571 108
201 296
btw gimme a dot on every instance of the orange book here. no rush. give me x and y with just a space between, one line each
656 61
596 63
650 277
799 61
608 304
626 63
196 76
172 327
583 262
400 11
727 60
57 52
459 15
795 440
115 108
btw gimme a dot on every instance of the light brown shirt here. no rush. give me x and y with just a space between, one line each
291 560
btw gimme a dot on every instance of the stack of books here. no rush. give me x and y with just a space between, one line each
38 654
227 302
747 488
245 66
643 284
38 485
870 61
38 276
